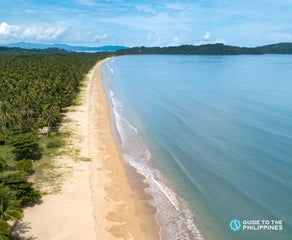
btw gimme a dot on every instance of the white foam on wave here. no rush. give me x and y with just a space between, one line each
110 69
173 214
135 129
168 193
112 95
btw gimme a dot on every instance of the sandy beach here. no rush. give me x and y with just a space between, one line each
101 197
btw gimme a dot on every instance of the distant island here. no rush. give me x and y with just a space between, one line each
211 49
207 49
38 46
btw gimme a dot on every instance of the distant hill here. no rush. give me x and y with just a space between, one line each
25 45
208 49
280 48
211 49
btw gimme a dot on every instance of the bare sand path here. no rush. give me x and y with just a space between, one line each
96 200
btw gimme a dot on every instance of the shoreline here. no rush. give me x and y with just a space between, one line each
173 213
126 209
98 199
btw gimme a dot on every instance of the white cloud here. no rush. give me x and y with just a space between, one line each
8 30
10 33
4 28
208 38
88 38
100 37
220 40
42 34
175 41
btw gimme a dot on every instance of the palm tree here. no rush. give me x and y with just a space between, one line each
4 118
9 210
4 230
8 118
51 113
3 165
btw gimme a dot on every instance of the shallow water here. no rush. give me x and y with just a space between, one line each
213 137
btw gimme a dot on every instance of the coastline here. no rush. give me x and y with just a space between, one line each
122 211
97 200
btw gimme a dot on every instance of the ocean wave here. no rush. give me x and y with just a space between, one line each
173 214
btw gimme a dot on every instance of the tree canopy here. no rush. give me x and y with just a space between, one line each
35 88
210 49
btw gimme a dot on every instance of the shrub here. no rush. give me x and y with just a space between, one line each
25 145
24 166
25 193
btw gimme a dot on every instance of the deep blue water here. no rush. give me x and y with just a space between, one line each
213 137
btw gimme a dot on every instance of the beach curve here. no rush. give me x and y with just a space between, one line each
96 200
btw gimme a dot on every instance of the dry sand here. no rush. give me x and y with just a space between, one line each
97 200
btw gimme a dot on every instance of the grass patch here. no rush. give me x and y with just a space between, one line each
48 177
49 171
55 143
52 142
84 159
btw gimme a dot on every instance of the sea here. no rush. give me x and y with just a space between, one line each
212 135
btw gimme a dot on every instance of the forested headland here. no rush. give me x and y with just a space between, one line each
211 49
35 88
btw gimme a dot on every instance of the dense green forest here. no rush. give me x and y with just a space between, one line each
35 87
211 49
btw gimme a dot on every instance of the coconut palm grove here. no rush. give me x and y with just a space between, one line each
35 88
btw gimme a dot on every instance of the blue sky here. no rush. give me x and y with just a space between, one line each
147 23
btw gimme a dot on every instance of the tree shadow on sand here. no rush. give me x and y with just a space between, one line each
20 229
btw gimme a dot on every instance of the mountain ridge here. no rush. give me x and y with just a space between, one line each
206 49
27 45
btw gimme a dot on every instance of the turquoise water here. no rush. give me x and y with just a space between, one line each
213 137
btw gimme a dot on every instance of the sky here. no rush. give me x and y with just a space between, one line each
148 23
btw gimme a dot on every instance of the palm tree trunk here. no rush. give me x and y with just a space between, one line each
12 228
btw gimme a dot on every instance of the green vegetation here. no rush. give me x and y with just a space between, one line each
211 49
47 174
35 88
24 166
25 145
9 210
55 143
23 189
3 165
